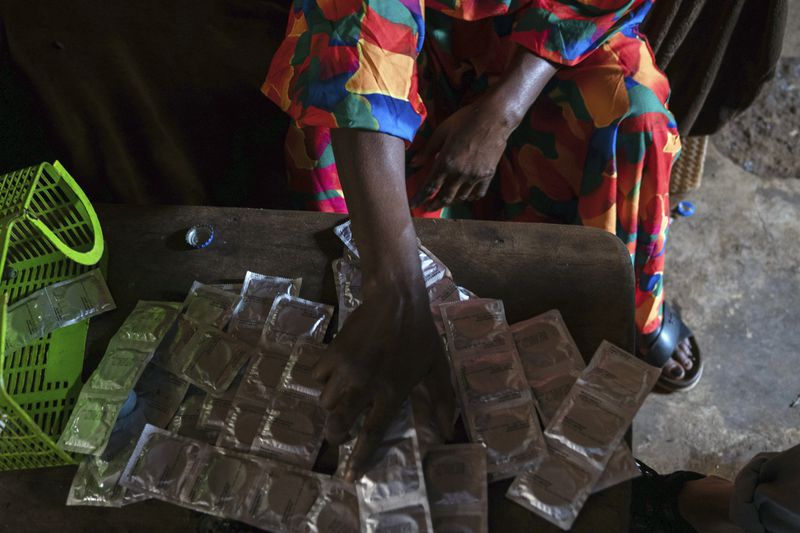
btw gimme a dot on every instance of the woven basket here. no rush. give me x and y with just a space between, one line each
687 173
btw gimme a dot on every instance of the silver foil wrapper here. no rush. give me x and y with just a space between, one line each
291 430
552 364
496 401
476 327
347 278
257 296
92 421
254 490
57 306
392 492
169 352
296 377
209 306
163 465
556 489
263 376
584 434
186 421
293 319
241 426
455 477
335 511
212 359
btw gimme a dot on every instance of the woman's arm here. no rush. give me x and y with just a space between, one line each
389 344
468 145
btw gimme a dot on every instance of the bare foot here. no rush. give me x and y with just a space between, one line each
681 362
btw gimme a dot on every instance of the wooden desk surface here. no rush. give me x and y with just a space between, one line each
584 273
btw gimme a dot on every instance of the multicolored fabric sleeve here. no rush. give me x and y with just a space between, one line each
566 32
351 64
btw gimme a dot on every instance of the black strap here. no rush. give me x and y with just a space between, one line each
672 332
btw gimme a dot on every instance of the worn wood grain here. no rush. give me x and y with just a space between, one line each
584 273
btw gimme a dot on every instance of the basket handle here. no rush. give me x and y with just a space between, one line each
90 257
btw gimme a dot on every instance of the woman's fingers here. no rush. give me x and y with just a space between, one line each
480 190
436 176
324 367
378 420
452 189
341 420
429 191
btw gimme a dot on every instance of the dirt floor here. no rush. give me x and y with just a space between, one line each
733 271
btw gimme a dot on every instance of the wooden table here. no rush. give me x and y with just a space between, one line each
584 273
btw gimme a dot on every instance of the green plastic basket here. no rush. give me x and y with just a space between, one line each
49 232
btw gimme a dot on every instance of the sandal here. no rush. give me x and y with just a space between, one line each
654 505
662 344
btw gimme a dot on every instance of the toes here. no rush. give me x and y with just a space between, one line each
683 354
673 370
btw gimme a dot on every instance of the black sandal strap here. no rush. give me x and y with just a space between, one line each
663 343
655 501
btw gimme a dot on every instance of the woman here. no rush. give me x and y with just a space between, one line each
537 110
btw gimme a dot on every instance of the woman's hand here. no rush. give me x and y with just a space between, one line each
387 346
465 149
467 146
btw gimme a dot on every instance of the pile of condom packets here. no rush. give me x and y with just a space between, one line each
130 350
496 401
552 365
584 434
392 494
263 493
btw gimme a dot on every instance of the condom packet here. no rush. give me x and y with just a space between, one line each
212 359
220 483
392 492
282 497
433 269
92 421
257 296
169 353
291 430
186 420
602 404
292 319
96 482
347 279
335 511
56 306
621 467
476 327
296 377
159 395
455 478
552 364
556 488
163 465
263 376
242 424
496 401
235 288
345 233
511 434
210 306
584 434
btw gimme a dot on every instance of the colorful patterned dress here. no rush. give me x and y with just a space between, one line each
595 149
